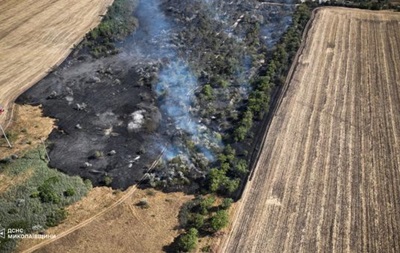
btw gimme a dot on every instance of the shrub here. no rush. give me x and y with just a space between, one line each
56 217
107 180
196 221
69 192
208 91
47 192
226 203
88 183
98 154
219 220
241 168
35 194
188 241
240 133
205 204
143 204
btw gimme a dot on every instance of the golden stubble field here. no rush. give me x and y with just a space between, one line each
35 36
328 178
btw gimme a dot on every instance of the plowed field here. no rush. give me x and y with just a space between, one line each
328 178
36 35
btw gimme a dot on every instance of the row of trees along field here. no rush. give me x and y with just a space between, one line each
202 216
225 178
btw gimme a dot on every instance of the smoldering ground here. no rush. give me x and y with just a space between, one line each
116 114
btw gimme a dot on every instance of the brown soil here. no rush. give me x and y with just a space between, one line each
37 35
328 176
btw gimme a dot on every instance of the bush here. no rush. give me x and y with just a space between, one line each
219 182
188 241
206 204
208 91
196 221
219 220
56 217
241 168
226 203
47 193
97 154
240 133
143 204
107 180
69 192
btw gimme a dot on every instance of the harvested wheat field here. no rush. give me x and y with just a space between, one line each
36 35
328 178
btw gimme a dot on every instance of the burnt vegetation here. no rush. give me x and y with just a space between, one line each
196 82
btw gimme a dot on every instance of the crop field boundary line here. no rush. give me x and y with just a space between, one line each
86 222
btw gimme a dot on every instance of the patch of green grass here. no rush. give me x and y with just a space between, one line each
40 200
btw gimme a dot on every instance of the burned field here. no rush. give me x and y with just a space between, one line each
176 85
328 176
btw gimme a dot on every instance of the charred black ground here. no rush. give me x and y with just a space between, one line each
178 84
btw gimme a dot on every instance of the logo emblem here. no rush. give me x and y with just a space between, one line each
3 233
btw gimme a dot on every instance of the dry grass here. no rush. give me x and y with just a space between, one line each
36 35
328 177
126 228
28 130
7 181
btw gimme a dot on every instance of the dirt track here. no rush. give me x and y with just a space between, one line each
127 195
328 177
36 35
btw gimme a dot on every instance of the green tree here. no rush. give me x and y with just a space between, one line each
231 185
219 220
240 133
240 169
226 203
188 241
216 178
206 204
247 120
196 220
230 153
